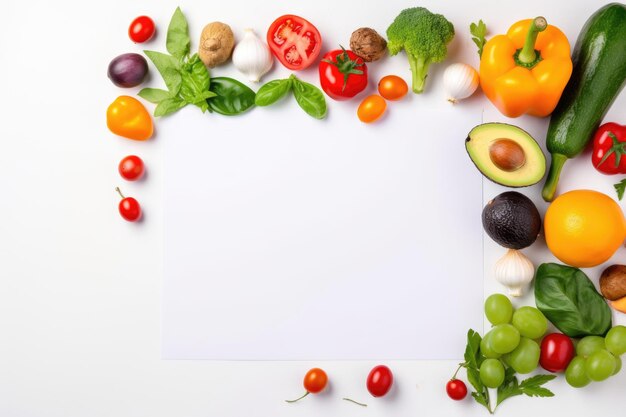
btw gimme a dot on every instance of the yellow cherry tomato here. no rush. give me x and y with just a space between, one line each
371 108
392 87
127 117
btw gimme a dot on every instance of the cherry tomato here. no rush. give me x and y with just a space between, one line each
456 389
371 108
141 29
294 41
392 87
379 381
131 168
129 207
557 351
342 74
315 381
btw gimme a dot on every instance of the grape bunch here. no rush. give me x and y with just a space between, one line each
598 358
511 341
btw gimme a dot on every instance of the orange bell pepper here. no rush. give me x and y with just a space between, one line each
127 117
526 70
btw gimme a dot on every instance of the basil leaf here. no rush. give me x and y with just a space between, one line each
195 80
232 97
178 42
154 95
271 92
169 68
310 98
168 106
570 301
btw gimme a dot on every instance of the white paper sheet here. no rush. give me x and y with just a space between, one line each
293 238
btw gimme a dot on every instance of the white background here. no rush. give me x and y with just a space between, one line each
80 289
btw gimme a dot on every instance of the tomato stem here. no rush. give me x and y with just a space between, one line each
461 365
298 399
355 402
119 192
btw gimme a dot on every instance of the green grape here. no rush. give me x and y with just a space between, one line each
498 309
600 365
616 340
485 347
618 365
575 374
530 322
492 373
525 358
588 345
504 338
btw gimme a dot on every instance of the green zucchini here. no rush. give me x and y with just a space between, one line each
598 76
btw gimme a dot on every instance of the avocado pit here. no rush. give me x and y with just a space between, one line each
507 154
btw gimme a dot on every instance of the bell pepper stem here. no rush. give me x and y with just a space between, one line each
549 188
528 54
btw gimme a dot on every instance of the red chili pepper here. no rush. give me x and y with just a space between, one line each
609 149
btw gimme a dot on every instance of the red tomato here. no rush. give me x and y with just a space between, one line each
392 87
371 108
141 29
343 74
379 381
609 149
456 389
129 207
557 351
131 168
294 41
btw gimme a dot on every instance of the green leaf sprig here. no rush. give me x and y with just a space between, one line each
511 387
188 81
620 187
309 97
479 31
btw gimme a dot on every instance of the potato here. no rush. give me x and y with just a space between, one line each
613 282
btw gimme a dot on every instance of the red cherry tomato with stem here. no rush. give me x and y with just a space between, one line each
343 74
456 389
294 41
131 168
557 351
314 382
141 29
129 207
609 149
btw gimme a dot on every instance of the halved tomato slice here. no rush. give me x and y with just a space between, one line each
294 41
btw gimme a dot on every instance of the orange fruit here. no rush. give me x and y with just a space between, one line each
584 228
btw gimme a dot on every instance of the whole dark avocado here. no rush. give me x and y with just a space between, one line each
512 220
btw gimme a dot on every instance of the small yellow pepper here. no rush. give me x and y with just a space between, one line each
526 70
127 117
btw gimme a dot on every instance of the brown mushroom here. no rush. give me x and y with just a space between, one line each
613 282
216 44
368 44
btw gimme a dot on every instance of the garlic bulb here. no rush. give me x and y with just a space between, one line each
252 56
460 81
515 271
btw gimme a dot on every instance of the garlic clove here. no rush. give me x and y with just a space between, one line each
252 57
515 271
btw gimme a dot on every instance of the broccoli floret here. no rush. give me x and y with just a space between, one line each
424 36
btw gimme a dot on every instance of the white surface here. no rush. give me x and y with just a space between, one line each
80 289
279 226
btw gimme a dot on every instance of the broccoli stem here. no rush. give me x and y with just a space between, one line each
419 70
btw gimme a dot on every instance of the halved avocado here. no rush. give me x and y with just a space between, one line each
506 154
